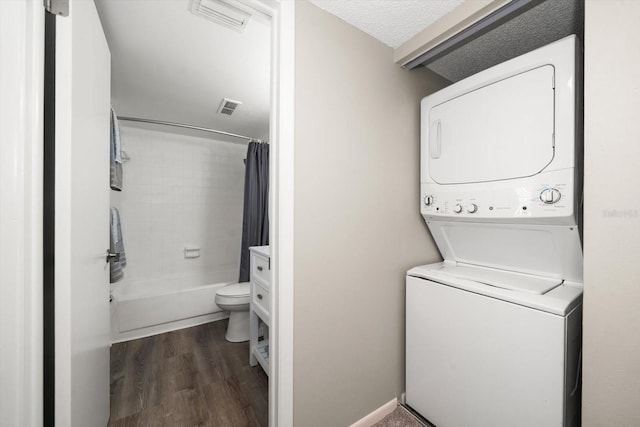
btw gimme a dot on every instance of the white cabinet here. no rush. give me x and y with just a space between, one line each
259 312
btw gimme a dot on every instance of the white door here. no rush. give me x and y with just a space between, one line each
82 219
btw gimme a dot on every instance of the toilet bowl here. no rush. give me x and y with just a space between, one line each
235 299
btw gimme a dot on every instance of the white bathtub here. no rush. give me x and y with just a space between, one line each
145 308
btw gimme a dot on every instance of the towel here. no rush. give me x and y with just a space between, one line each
116 246
116 154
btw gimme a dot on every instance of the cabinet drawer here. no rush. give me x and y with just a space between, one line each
261 301
260 269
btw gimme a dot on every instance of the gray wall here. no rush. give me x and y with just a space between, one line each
357 222
611 343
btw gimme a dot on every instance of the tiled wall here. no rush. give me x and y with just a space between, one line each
180 191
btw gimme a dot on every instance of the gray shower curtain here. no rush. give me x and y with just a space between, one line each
255 219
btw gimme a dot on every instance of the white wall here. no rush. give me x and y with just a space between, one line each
180 191
611 342
357 222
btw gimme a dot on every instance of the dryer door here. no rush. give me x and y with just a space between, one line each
500 131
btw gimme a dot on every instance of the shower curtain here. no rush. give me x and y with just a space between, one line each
255 219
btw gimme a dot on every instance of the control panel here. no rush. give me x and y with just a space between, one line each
507 200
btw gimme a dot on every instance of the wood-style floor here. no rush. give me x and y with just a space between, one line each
191 377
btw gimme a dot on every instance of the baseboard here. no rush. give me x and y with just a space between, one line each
377 415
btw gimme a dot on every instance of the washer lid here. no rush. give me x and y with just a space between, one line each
239 290
519 282
559 298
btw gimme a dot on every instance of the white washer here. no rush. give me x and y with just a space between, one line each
493 333
482 355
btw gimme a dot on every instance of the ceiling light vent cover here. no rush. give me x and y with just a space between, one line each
229 13
228 106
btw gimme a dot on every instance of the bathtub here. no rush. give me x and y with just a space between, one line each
144 308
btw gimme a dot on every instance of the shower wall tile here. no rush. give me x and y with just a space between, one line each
180 191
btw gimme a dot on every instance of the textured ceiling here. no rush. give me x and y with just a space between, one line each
538 26
391 21
168 64
395 21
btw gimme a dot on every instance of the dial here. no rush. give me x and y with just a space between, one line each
472 208
550 196
457 208
428 200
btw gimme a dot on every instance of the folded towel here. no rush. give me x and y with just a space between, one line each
116 154
116 176
116 136
116 246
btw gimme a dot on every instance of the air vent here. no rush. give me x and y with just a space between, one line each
228 106
229 13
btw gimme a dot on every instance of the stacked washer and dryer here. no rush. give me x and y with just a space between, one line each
493 333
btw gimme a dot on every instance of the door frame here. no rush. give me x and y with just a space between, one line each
21 215
21 352
281 139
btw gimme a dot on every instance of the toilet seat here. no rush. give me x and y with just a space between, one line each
234 294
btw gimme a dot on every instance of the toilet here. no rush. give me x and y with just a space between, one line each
235 299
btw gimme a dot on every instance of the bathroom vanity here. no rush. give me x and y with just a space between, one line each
259 311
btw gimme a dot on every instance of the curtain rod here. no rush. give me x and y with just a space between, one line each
180 125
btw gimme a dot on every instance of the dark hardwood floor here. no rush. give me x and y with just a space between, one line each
191 377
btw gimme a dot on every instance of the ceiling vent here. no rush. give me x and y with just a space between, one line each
229 13
228 106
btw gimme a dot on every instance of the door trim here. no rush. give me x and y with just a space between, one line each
282 206
21 175
281 134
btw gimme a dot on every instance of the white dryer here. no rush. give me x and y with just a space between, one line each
493 332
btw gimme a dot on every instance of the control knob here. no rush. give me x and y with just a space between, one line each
472 208
428 200
549 196
457 208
